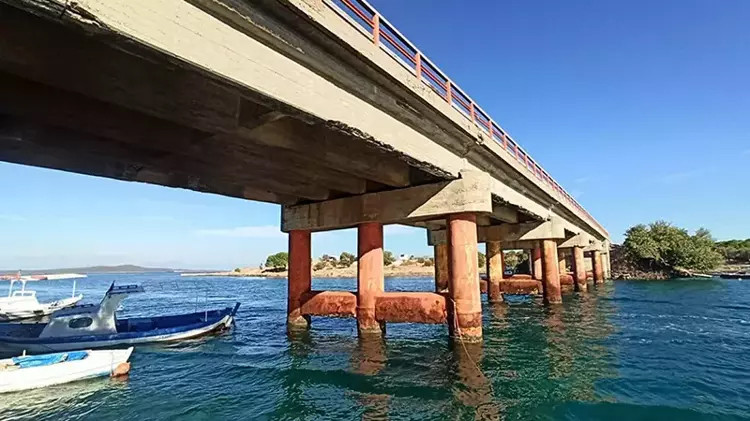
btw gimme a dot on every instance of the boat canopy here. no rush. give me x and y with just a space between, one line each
91 319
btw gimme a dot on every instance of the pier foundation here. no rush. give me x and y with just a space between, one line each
579 270
300 277
495 269
370 281
465 307
551 273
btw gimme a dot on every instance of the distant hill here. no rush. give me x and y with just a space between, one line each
90 269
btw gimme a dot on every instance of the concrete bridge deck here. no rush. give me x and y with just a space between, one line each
320 106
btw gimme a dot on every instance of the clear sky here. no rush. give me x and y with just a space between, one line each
641 109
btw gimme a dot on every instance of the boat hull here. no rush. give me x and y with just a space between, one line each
46 345
36 346
38 310
96 364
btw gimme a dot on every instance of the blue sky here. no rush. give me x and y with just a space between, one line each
641 109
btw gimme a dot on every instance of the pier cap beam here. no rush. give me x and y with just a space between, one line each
468 194
512 235
579 240
594 246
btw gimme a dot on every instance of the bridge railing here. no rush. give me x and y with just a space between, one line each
374 26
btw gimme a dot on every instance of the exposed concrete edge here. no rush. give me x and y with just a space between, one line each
470 193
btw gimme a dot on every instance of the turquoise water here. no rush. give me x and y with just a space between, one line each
627 350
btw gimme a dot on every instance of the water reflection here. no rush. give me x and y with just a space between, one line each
472 388
83 396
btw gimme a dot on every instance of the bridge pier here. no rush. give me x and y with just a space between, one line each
465 308
536 262
370 279
579 270
596 266
300 277
442 270
551 273
455 257
563 262
495 270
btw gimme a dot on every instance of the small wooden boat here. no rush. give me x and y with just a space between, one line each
97 326
23 304
31 372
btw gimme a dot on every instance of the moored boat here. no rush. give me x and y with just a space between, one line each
23 304
31 372
97 326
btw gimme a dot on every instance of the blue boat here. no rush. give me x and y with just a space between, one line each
97 326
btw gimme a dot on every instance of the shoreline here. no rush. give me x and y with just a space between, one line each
406 271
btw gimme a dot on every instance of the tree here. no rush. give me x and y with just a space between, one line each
388 258
319 265
664 247
346 259
481 259
329 260
278 261
237 270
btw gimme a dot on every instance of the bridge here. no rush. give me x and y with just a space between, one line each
321 106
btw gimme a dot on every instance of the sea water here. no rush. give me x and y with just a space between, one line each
625 350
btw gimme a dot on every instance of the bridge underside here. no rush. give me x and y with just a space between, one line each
102 106
77 95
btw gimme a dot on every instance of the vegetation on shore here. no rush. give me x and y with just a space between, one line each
661 250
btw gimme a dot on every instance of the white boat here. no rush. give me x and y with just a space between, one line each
23 304
31 372
97 326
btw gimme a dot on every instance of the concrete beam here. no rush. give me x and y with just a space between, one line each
595 245
469 194
414 307
579 240
513 236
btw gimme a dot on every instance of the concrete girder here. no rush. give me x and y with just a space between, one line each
505 214
328 146
468 194
64 147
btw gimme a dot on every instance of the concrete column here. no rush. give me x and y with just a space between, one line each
495 269
442 272
370 281
300 277
551 268
606 264
579 269
536 262
563 263
465 317
596 265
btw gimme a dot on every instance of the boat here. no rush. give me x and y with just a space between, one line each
23 304
32 372
97 326
735 275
